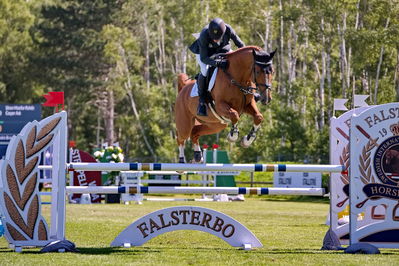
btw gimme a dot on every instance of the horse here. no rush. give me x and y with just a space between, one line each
392 160
233 94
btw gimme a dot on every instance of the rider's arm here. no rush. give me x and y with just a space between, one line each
203 43
237 41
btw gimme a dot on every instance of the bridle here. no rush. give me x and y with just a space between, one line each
267 84
249 89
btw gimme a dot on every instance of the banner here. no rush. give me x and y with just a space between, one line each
85 178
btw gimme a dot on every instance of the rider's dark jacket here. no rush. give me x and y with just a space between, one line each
206 47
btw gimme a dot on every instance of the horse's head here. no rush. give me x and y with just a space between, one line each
389 156
263 74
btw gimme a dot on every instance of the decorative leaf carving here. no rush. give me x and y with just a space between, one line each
365 161
21 178
344 160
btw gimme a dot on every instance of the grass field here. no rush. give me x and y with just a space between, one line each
291 232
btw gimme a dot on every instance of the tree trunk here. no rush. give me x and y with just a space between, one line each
343 59
292 59
109 118
328 76
322 77
129 88
146 52
396 79
281 52
379 69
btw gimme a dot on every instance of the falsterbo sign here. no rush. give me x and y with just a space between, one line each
186 218
374 182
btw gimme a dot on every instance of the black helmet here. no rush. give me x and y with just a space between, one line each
216 28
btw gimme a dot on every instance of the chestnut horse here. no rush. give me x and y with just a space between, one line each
233 94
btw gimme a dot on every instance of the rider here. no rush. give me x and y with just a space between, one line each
214 39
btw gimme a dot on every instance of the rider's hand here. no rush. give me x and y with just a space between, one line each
222 63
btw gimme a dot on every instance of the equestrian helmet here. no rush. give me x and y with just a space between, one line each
216 28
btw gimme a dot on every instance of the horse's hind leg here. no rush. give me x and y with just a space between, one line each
183 130
201 130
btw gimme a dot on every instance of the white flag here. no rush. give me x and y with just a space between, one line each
359 100
339 104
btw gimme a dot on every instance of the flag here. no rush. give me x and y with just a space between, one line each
54 98
359 100
339 104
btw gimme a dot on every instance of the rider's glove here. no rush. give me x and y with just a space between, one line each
222 63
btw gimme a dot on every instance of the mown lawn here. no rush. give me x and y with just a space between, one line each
291 232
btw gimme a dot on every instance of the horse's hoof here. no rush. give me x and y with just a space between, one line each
182 160
198 156
246 142
232 138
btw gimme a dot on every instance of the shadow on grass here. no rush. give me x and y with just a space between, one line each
319 251
302 251
109 250
90 251
311 199
161 249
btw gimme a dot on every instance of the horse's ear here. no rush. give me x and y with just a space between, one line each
254 52
272 54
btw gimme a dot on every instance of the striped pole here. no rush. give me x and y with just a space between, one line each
194 190
206 167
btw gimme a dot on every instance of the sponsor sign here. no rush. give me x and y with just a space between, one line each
20 112
297 180
374 174
186 218
13 117
85 178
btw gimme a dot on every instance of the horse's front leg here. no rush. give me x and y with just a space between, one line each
225 110
182 158
252 110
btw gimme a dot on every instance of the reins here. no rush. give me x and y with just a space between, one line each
243 89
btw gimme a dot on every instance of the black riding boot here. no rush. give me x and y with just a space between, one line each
201 111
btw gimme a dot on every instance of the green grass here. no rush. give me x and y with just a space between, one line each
291 232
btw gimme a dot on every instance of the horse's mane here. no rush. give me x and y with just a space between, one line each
244 49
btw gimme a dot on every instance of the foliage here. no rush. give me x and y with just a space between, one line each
117 63
111 154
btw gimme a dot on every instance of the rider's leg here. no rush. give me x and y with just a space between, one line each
201 111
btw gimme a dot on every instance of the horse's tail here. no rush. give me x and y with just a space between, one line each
182 79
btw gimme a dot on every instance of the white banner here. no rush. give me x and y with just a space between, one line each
359 100
339 104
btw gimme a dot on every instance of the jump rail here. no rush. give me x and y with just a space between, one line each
205 167
194 190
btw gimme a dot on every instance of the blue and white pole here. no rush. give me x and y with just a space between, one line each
206 167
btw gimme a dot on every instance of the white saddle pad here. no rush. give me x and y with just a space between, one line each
194 90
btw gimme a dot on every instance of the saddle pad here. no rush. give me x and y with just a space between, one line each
194 89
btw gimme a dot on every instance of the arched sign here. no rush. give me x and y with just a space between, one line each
186 218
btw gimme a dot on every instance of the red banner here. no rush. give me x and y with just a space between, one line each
54 98
85 178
